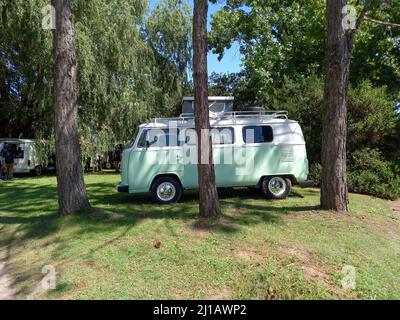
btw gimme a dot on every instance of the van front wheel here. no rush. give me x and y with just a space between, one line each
166 190
276 187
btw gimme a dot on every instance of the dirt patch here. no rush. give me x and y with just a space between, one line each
203 226
396 206
197 232
247 254
215 293
315 274
299 252
7 291
305 260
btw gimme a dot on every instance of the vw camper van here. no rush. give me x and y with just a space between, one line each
257 148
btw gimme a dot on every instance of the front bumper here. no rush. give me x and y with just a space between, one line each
122 187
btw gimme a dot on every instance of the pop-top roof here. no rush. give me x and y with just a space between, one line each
211 98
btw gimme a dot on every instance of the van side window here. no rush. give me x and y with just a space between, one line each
222 135
191 137
158 138
142 139
257 134
218 136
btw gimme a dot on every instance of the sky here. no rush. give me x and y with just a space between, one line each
231 62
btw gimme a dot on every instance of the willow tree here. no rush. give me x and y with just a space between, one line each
72 196
130 75
25 71
208 196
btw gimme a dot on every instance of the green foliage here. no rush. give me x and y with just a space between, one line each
44 148
372 119
371 174
124 77
315 173
376 55
286 38
277 38
233 84
169 30
25 68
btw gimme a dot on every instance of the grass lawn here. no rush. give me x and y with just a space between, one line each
258 249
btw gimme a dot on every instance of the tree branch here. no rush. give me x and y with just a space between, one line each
352 35
382 23
364 10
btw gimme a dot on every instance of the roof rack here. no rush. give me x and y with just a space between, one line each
262 115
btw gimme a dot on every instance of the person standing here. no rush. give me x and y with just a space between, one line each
2 162
9 163
87 164
97 162
117 158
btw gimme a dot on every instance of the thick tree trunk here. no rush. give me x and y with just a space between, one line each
334 194
72 196
208 196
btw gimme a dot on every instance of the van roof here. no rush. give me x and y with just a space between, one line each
225 118
162 123
212 98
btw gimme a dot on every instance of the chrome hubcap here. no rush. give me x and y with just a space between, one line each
166 191
277 186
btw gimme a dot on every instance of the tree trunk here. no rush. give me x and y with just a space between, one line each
334 194
72 196
208 195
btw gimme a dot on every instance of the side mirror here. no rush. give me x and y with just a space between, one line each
148 143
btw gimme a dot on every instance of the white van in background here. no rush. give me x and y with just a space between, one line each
24 152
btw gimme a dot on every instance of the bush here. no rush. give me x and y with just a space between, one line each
370 174
314 173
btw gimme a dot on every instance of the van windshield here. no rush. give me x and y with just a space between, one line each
131 143
158 138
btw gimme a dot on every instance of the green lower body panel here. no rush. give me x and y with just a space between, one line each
234 165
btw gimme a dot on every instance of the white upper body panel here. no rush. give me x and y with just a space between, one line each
285 131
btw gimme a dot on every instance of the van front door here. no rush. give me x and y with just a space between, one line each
157 152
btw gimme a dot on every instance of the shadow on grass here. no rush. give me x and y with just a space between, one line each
34 207
28 211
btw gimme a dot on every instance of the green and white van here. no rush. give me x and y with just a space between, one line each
260 149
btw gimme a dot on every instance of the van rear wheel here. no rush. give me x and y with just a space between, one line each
276 187
166 190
